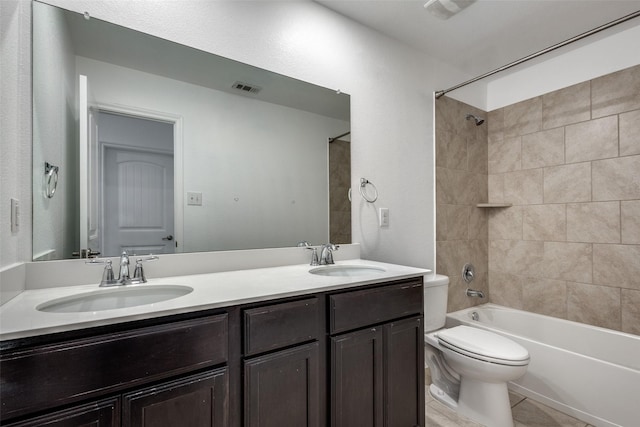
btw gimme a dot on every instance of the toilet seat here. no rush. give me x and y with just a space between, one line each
483 345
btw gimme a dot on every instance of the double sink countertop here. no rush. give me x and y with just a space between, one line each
20 318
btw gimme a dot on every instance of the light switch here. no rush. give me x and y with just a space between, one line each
384 217
194 198
15 215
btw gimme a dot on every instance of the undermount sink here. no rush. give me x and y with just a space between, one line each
113 298
346 270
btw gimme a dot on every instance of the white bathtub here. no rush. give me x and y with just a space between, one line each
585 371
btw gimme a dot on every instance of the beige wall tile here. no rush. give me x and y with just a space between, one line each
452 255
567 261
457 296
630 133
616 92
505 224
495 124
630 217
568 183
457 222
545 148
448 113
516 257
544 222
524 187
441 222
595 139
617 265
545 296
459 187
451 149
596 222
496 188
616 179
506 289
504 155
479 224
631 311
478 154
523 117
594 305
566 106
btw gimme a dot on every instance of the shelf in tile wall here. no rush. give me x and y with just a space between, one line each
494 205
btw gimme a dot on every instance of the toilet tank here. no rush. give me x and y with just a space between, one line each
435 301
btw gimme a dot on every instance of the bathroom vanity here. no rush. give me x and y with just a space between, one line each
339 351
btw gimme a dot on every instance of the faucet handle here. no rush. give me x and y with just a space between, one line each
314 255
107 275
138 273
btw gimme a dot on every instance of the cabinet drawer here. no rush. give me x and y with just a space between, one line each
280 325
53 375
356 309
105 413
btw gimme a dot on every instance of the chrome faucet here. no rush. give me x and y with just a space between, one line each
124 277
474 293
326 255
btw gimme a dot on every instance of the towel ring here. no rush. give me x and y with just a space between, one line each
51 179
363 184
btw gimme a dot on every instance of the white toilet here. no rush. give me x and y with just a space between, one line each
469 366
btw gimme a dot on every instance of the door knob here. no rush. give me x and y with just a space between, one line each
169 237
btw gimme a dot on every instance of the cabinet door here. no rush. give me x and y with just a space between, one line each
197 401
105 413
404 373
283 388
357 379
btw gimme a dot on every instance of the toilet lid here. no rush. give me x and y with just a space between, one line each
485 345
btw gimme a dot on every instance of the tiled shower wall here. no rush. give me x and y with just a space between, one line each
569 162
339 183
461 183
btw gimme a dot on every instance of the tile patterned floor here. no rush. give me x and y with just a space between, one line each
526 413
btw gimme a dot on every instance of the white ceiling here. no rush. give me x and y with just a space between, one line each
488 33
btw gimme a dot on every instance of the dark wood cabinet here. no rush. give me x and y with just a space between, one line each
347 358
404 373
195 401
377 374
283 388
357 379
104 413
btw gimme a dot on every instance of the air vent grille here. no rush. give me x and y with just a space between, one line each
246 87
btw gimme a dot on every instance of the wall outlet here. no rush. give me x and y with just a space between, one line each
383 216
194 198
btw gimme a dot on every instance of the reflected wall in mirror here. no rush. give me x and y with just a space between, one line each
165 148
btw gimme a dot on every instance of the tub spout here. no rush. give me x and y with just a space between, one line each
474 293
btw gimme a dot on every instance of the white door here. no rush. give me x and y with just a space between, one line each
88 167
138 202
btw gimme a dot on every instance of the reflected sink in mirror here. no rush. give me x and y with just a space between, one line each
346 270
114 298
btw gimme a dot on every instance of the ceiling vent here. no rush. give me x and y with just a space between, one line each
245 87
445 9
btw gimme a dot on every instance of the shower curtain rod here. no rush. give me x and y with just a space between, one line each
338 137
628 17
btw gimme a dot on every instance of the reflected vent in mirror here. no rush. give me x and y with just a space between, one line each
245 87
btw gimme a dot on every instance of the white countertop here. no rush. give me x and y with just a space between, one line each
19 317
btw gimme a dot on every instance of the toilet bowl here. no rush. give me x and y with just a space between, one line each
470 367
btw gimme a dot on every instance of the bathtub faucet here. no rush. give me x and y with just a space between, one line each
474 293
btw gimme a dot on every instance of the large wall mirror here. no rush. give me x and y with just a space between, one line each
147 145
